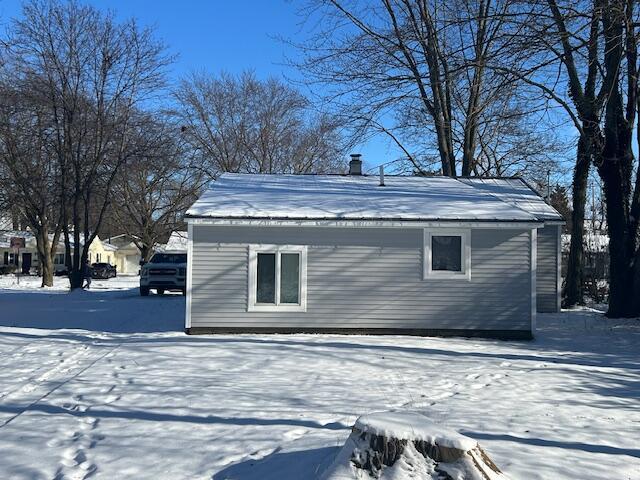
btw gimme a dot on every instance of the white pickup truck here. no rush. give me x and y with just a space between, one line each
164 272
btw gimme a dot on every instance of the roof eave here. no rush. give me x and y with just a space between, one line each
364 222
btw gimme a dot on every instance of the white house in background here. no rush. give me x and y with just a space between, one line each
355 254
177 243
123 254
126 254
596 251
24 260
99 252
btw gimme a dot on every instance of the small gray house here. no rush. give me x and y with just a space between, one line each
368 254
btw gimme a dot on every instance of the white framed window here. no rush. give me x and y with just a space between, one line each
277 278
447 254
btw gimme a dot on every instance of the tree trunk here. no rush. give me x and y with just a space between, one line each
45 259
47 270
573 291
635 299
622 243
622 287
146 252
615 168
44 254
424 450
76 262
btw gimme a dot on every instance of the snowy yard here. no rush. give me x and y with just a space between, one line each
104 384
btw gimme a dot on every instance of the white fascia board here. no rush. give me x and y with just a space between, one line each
255 222
189 285
533 246
559 270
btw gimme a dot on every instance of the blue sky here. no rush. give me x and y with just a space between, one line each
219 35
227 35
215 34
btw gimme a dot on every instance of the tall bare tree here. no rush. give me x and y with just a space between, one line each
556 55
28 170
588 64
242 124
154 189
92 75
617 165
421 72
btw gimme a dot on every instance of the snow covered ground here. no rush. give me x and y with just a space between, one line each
104 384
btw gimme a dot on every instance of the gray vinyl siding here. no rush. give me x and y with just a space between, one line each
365 278
547 271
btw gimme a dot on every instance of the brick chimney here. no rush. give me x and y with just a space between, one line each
355 165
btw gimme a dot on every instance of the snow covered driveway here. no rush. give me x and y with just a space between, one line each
103 384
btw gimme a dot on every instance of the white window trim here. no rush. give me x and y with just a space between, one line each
465 246
252 306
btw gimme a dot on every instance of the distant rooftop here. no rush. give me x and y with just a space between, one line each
177 243
343 197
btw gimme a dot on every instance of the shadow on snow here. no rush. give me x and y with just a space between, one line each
307 464
111 311
168 417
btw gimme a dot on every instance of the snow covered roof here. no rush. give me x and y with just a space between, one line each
177 243
593 242
342 197
109 246
516 192
5 237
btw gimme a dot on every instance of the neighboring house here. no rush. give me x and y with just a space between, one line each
177 243
27 261
98 252
127 255
121 252
419 255
596 251
23 261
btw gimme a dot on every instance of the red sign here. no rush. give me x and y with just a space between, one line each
17 242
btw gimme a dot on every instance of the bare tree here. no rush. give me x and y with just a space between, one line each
92 76
242 124
617 166
557 57
421 72
154 189
584 57
28 171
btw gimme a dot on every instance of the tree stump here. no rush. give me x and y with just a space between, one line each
406 445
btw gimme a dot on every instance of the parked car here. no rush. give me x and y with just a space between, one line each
60 270
165 271
103 270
